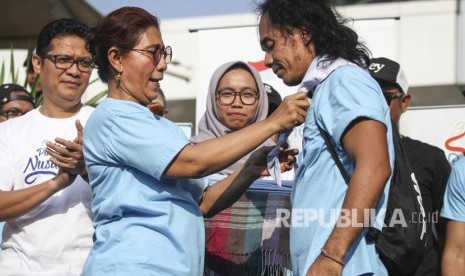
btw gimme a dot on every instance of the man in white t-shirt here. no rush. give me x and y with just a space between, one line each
44 197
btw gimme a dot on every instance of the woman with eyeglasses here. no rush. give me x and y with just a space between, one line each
148 198
236 99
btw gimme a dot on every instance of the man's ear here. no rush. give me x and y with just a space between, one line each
114 58
36 62
405 102
306 37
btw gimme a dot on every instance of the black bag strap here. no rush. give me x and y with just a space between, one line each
373 233
333 153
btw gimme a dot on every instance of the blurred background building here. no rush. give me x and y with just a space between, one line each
428 39
22 20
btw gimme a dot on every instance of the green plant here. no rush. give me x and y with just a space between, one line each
2 73
13 73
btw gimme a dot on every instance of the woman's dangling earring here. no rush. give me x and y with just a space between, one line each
118 77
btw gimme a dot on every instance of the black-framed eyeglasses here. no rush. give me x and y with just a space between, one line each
65 62
12 113
390 96
156 54
227 96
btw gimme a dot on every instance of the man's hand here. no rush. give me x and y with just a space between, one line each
63 179
68 155
79 128
453 258
324 266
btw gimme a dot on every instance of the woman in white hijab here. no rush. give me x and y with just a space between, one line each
236 98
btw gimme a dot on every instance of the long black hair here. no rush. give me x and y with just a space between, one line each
322 22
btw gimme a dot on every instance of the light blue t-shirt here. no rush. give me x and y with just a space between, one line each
144 224
347 94
454 197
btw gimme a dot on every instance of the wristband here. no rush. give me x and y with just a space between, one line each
325 254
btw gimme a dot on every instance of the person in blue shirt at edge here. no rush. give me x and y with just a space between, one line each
147 204
453 210
306 43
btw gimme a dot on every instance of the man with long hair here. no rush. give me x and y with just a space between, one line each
307 43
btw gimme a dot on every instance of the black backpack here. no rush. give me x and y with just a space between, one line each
401 246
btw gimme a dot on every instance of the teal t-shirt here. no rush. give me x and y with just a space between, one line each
145 224
347 94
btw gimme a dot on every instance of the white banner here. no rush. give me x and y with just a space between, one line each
441 127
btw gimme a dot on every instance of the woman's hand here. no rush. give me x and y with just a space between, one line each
257 161
68 155
288 159
291 112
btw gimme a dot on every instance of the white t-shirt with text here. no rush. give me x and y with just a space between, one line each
55 237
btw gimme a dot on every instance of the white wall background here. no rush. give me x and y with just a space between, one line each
427 39
435 126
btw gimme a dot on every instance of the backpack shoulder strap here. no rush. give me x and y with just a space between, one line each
333 153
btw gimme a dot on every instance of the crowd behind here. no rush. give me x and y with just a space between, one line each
119 189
